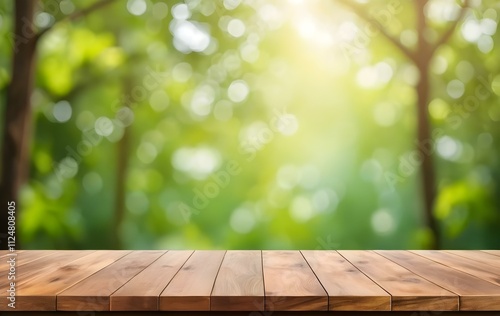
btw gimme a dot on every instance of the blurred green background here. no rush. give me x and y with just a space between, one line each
252 124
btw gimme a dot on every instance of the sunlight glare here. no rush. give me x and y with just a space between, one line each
306 27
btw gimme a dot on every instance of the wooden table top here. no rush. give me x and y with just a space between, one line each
186 280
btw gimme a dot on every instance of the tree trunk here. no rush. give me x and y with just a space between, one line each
121 177
424 137
17 117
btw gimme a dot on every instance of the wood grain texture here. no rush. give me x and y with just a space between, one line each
92 293
33 268
477 255
290 284
25 257
348 289
38 265
142 292
239 285
20 259
41 265
408 290
5 253
41 289
473 267
190 289
235 282
493 252
276 313
475 294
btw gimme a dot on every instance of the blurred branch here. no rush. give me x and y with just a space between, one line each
76 15
423 46
449 32
362 13
92 80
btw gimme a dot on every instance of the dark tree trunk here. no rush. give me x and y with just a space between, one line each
428 183
121 177
17 117
424 138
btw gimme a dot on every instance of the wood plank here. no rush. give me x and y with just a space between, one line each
348 289
137 285
190 289
290 284
239 285
92 293
5 253
477 255
50 263
41 290
25 257
493 252
475 268
475 294
409 291
21 258
142 292
276 313
37 267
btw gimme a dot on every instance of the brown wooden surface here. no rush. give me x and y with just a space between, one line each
477 255
142 292
42 289
190 289
290 285
25 257
348 289
21 258
239 285
493 252
228 283
93 292
36 266
254 313
409 291
473 267
463 284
